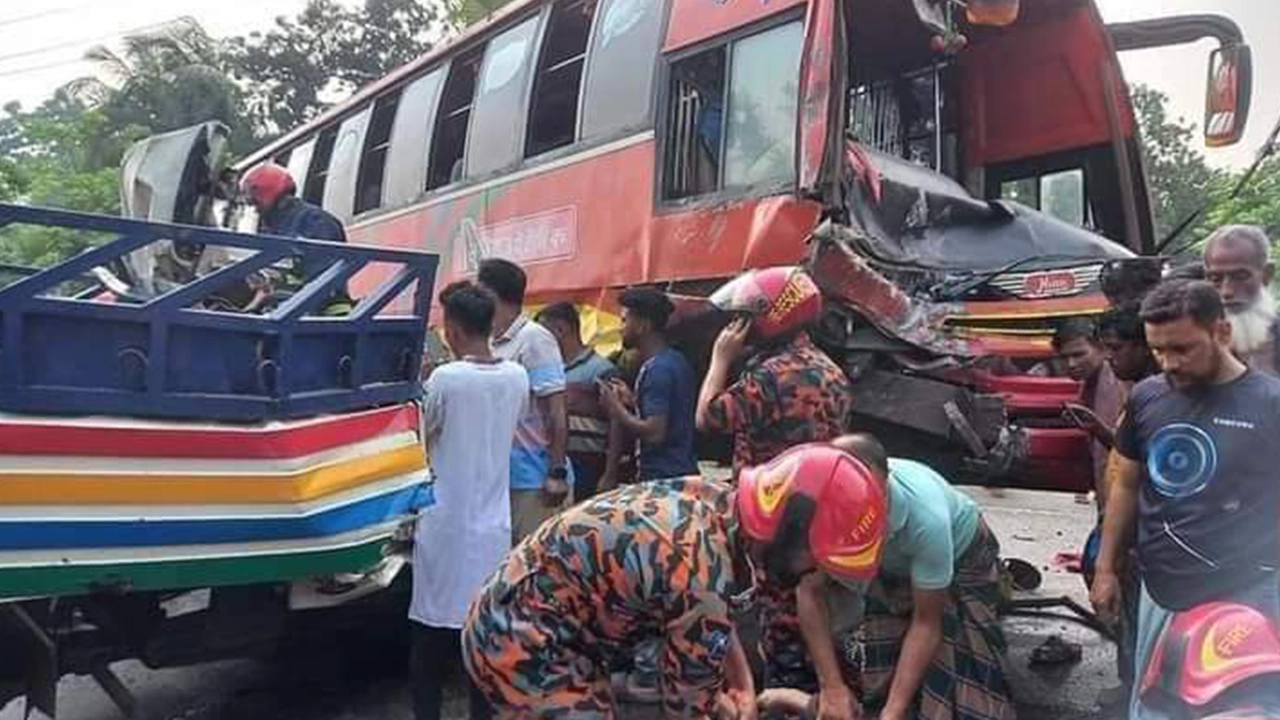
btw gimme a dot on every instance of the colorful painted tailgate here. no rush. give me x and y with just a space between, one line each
166 442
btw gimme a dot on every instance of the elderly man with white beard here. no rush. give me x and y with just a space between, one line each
1237 260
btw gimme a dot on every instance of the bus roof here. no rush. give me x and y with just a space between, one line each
436 55
372 90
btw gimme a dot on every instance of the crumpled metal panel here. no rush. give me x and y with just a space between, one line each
848 278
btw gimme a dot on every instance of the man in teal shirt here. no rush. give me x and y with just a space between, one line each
930 644
931 525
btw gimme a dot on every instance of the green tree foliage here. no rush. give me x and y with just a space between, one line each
462 13
1257 204
292 72
13 181
63 154
1181 181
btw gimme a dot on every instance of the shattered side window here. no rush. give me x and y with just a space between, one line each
618 89
496 126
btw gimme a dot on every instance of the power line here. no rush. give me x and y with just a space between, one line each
38 68
83 41
41 14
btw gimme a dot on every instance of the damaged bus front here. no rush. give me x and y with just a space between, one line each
982 182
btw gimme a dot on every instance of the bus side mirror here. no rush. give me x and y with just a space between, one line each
1229 94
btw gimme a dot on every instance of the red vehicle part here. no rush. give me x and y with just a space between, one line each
1025 395
1061 104
1058 458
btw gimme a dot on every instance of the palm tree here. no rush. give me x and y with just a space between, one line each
162 79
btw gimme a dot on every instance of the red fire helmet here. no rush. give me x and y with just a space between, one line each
846 537
1210 648
265 184
780 300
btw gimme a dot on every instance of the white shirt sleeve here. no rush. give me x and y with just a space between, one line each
541 359
432 406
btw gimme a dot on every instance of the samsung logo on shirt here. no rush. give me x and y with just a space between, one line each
1227 422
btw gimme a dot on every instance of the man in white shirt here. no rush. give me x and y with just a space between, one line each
470 410
541 476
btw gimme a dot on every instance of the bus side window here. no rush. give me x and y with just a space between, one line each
406 171
449 141
282 158
695 124
736 132
318 168
553 117
618 89
300 161
373 159
497 124
344 162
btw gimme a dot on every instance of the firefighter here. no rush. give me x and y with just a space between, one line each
273 193
667 558
789 392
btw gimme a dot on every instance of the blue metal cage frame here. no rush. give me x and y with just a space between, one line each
164 358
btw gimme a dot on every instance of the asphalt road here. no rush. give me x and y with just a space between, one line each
336 683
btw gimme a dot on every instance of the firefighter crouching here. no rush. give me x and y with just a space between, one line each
669 559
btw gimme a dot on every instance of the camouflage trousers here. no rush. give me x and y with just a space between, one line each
527 659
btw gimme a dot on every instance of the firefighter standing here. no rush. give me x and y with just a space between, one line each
790 392
272 192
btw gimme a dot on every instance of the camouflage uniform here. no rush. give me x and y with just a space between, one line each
785 398
659 559
793 396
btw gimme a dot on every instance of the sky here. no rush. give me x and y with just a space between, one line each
41 43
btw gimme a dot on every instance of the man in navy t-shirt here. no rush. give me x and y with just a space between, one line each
1196 472
660 415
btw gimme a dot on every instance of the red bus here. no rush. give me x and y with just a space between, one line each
609 143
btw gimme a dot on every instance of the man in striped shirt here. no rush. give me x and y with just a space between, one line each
588 446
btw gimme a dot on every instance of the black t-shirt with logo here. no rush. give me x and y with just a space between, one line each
1209 509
